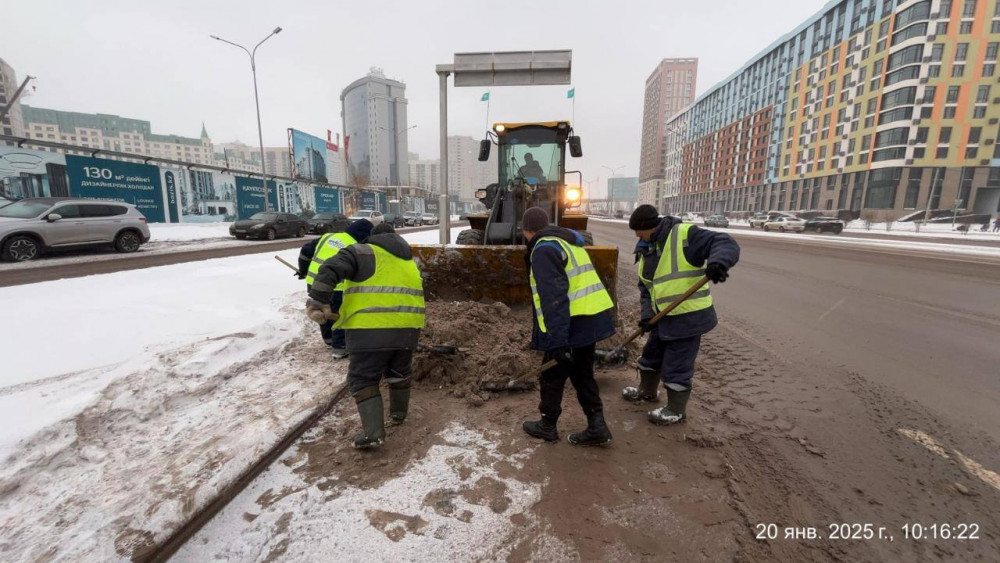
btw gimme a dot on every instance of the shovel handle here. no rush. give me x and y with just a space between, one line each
280 259
537 372
656 318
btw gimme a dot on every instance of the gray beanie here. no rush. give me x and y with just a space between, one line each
534 220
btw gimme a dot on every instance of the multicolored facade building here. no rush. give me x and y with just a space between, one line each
869 105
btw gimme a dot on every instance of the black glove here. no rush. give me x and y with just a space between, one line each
563 355
645 326
716 272
299 275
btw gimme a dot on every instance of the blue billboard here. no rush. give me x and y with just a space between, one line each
250 196
368 200
309 156
327 199
113 180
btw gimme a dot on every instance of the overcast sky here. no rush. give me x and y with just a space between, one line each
155 60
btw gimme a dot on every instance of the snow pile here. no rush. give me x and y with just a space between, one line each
162 232
449 505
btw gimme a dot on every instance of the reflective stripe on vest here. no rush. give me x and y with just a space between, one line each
587 295
392 298
327 247
674 276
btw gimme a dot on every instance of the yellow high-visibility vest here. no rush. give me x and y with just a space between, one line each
587 294
675 275
392 298
327 247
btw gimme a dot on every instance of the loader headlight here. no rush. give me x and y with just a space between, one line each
500 128
573 195
480 194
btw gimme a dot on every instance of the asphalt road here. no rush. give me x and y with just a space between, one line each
40 270
925 324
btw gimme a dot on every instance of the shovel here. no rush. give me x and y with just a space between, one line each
618 355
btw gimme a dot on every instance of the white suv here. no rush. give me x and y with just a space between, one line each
29 227
375 217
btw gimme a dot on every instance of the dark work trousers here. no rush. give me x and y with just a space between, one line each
366 368
326 329
673 358
581 374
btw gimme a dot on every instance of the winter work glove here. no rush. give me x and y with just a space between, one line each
299 275
716 272
645 326
563 355
320 312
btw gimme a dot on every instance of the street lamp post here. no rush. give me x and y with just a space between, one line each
256 99
613 172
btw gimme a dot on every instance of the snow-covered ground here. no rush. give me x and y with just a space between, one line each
162 232
128 399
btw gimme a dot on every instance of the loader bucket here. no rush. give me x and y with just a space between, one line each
494 273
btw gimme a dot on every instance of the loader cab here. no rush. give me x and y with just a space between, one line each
531 161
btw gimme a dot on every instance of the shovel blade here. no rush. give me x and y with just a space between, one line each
615 357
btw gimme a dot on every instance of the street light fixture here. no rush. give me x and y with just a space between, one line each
256 99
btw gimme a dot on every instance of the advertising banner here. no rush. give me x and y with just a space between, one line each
383 204
368 200
170 185
113 180
250 196
30 173
309 156
327 199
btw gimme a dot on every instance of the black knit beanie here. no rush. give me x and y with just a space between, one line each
644 217
534 220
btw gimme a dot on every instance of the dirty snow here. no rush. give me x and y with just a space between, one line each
392 522
188 231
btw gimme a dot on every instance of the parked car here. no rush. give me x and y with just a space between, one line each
429 219
820 224
30 227
717 221
758 220
269 225
395 220
783 224
374 216
412 218
321 223
4 202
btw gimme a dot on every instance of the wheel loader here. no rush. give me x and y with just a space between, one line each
488 261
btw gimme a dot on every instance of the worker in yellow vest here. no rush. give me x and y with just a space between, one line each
572 312
672 256
382 314
317 251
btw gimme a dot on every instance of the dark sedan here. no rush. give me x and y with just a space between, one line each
269 226
821 224
397 221
717 221
321 223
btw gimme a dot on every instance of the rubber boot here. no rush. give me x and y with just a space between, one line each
544 428
676 410
648 389
399 404
369 402
596 434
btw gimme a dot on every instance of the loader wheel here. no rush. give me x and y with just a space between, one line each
471 237
588 238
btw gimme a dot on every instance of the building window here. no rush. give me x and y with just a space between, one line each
942 28
919 152
983 94
937 52
991 51
953 92
929 92
913 188
934 71
949 112
965 28
995 26
944 137
961 51
979 112
969 9
988 70
957 71
921 134
974 134
942 153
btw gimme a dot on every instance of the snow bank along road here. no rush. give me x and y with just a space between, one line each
178 246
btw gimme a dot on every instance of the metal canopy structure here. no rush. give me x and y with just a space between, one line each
507 68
